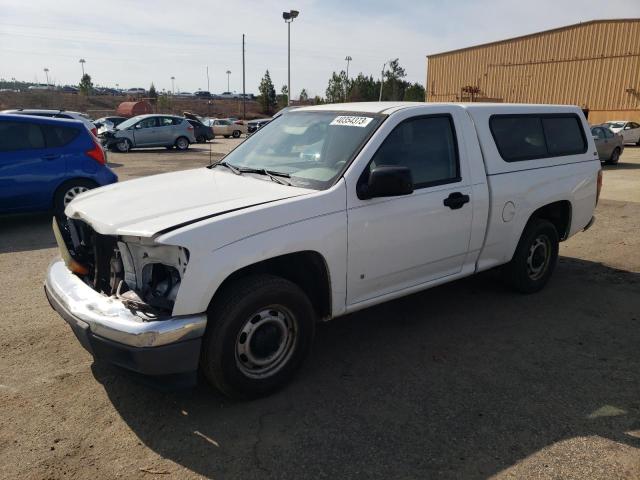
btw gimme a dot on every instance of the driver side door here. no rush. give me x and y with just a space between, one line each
146 132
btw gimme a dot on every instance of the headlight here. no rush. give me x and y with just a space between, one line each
151 273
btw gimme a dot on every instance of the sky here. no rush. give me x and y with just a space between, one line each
133 43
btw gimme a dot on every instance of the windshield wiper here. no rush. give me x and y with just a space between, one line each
274 175
235 170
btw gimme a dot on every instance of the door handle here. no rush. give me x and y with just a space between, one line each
456 200
50 157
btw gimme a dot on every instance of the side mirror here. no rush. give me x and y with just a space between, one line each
387 181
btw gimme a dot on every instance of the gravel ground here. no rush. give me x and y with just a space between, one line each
467 380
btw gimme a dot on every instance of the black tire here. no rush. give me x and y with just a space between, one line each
182 143
234 314
236 133
615 156
535 257
65 193
123 146
201 139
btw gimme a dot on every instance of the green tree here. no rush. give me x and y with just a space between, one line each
152 91
267 98
304 96
163 103
85 86
336 87
363 89
414 93
394 83
283 98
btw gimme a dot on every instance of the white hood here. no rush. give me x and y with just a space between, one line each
146 206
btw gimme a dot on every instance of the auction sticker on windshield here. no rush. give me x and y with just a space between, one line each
351 121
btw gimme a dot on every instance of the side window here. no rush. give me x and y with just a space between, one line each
518 137
634 125
529 137
597 133
564 135
147 123
20 136
608 133
56 136
427 146
166 121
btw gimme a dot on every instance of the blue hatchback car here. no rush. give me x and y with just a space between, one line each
46 162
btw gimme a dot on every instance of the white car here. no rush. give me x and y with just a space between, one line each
83 117
325 211
228 128
630 131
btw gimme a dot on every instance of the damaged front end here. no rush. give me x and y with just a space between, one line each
145 276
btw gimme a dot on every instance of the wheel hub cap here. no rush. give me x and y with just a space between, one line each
538 258
266 342
72 193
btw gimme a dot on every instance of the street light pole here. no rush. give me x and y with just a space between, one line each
173 86
208 88
228 74
244 92
82 62
288 18
346 87
382 80
46 72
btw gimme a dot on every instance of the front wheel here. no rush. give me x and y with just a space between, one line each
123 146
67 192
535 258
182 143
236 134
259 332
615 157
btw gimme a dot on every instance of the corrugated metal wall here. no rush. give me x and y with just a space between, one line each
595 65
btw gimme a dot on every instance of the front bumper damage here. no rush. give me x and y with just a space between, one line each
110 331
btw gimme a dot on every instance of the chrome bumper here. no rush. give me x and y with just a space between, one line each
106 317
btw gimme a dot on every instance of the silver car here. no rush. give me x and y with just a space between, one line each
609 144
150 131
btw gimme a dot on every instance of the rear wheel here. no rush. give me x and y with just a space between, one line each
259 332
236 134
615 157
535 257
67 192
182 143
201 139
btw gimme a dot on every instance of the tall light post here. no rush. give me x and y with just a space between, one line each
173 87
46 72
208 88
382 80
346 86
228 74
82 61
288 18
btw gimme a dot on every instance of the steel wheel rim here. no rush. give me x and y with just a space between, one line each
72 193
182 144
539 257
266 342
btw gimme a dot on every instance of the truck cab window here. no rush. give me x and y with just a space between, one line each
427 146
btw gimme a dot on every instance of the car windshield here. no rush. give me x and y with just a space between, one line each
615 124
127 123
313 148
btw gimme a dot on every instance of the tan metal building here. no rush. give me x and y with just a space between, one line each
595 65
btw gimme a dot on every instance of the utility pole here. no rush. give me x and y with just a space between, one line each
208 89
173 86
288 18
82 62
244 93
382 80
346 86
228 74
46 72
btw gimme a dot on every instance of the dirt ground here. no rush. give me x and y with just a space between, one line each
467 380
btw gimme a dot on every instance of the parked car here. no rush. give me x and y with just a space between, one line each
227 269
609 145
107 123
202 131
228 96
69 89
630 131
45 163
203 94
183 94
254 125
41 87
135 91
228 128
83 117
150 131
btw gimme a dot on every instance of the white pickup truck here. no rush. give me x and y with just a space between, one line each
325 211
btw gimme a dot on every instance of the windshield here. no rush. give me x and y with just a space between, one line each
615 124
127 123
312 147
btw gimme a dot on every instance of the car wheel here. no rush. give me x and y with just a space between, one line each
182 143
123 146
615 156
67 192
259 332
535 257
236 134
201 139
